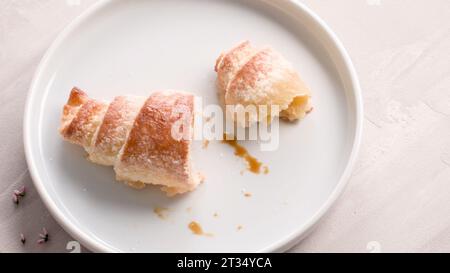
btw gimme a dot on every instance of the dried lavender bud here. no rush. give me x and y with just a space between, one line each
44 236
22 191
22 238
15 199
17 194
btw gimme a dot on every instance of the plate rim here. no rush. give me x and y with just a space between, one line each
281 245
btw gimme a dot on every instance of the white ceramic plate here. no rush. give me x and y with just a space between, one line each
134 47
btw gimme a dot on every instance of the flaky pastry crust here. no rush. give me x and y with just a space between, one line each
134 134
261 77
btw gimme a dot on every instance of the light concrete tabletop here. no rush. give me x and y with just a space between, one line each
398 198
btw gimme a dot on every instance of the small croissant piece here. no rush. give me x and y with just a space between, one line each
136 136
251 76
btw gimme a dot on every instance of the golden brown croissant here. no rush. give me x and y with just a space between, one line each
252 76
134 134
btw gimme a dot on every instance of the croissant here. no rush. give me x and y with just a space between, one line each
134 134
251 76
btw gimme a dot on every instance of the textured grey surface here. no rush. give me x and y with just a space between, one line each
398 198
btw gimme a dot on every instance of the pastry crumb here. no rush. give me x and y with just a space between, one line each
161 212
197 229
246 193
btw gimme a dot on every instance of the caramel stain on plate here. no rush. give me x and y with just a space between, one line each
205 144
254 165
197 229
248 194
161 212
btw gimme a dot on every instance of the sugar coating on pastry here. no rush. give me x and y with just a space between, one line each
81 118
112 133
261 77
134 134
151 153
